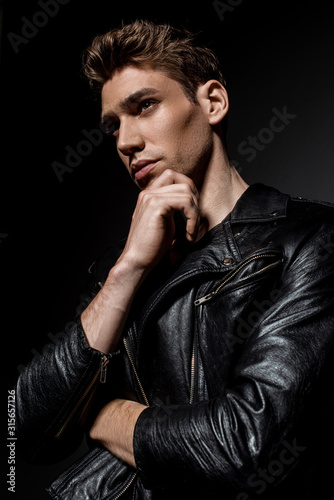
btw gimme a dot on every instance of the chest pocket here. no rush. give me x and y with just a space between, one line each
252 268
229 310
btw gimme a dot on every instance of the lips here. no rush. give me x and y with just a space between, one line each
141 168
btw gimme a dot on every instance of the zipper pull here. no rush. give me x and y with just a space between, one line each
103 371
206 298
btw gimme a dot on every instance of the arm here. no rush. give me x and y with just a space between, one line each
151 236
114 428
53 389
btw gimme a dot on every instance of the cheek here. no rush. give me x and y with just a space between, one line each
195 137
181 129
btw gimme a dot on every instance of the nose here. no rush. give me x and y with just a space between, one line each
129 138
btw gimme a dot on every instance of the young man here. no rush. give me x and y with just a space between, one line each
217 334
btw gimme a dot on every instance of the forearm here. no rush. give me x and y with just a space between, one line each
198 442
104 318
114 428
49 389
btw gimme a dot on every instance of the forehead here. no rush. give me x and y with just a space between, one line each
128 81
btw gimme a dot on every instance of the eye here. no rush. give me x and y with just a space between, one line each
110 126
145 105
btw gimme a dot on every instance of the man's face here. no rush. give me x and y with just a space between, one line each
155 125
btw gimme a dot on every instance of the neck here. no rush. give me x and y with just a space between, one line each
220 189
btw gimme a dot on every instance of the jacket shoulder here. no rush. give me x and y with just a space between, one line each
310 225
314 213
316 205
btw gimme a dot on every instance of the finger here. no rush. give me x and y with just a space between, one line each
169 190
166 204
193 221
166 200
170 177
188 204
168 197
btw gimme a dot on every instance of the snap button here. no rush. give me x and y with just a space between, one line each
228 261
272 214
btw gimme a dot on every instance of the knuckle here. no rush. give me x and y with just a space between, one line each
190 199
186 190
152 200
168 173
144 196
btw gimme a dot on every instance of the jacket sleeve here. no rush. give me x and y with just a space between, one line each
52 394
55 391
277 398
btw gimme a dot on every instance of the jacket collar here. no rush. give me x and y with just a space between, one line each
259 203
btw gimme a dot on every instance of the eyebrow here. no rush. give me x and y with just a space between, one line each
129 101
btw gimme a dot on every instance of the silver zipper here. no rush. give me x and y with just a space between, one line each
192 376
102 371
191 398
209 296
127 486
128 352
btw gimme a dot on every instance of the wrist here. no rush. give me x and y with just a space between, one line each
127 271
104 318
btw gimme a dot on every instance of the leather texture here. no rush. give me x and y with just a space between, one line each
101 467
233 347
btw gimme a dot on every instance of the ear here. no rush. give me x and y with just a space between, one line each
213 99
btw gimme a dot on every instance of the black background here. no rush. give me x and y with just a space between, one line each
274 54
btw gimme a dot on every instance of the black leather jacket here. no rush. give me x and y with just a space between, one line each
232 352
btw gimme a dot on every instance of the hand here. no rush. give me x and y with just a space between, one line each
114 428
152 231
151 236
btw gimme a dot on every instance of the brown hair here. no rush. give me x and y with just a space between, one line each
158 46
